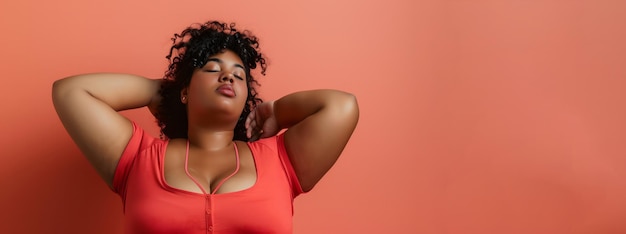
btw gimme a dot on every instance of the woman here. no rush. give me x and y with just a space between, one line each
223 163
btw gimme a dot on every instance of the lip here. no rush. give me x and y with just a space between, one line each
226 90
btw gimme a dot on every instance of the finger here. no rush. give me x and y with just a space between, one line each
252 129
249 122
249 118
249 132
253 133
257 132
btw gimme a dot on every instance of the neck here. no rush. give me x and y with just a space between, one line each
208 138
212 131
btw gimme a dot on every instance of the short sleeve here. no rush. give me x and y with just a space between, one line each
138 141
288 167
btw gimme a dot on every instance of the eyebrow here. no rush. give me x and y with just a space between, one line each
220 61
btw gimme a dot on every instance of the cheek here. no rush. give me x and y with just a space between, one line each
243 89
244 95
201 83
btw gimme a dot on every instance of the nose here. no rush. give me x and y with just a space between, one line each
227 78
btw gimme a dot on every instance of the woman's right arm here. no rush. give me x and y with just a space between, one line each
88 107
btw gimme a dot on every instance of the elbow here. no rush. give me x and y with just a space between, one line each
353 105
342 98
61 88
347 104
57 87
351 102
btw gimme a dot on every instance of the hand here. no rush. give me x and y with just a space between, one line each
261 122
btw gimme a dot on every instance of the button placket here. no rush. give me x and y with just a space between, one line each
208 213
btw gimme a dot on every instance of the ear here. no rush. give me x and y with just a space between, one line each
184 98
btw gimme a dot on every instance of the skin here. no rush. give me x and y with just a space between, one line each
319 124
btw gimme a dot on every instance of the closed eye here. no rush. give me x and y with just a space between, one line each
236 76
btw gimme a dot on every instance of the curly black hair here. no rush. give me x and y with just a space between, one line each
191 50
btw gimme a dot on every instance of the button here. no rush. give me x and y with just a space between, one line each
208 211
210 228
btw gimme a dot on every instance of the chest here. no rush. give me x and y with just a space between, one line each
154 204
233 213
231 169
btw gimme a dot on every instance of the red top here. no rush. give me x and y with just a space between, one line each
152 206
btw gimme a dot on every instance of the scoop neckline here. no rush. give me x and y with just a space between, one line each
167 186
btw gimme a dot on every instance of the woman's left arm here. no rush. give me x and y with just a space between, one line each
319 124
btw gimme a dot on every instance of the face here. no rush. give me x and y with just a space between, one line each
218 87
